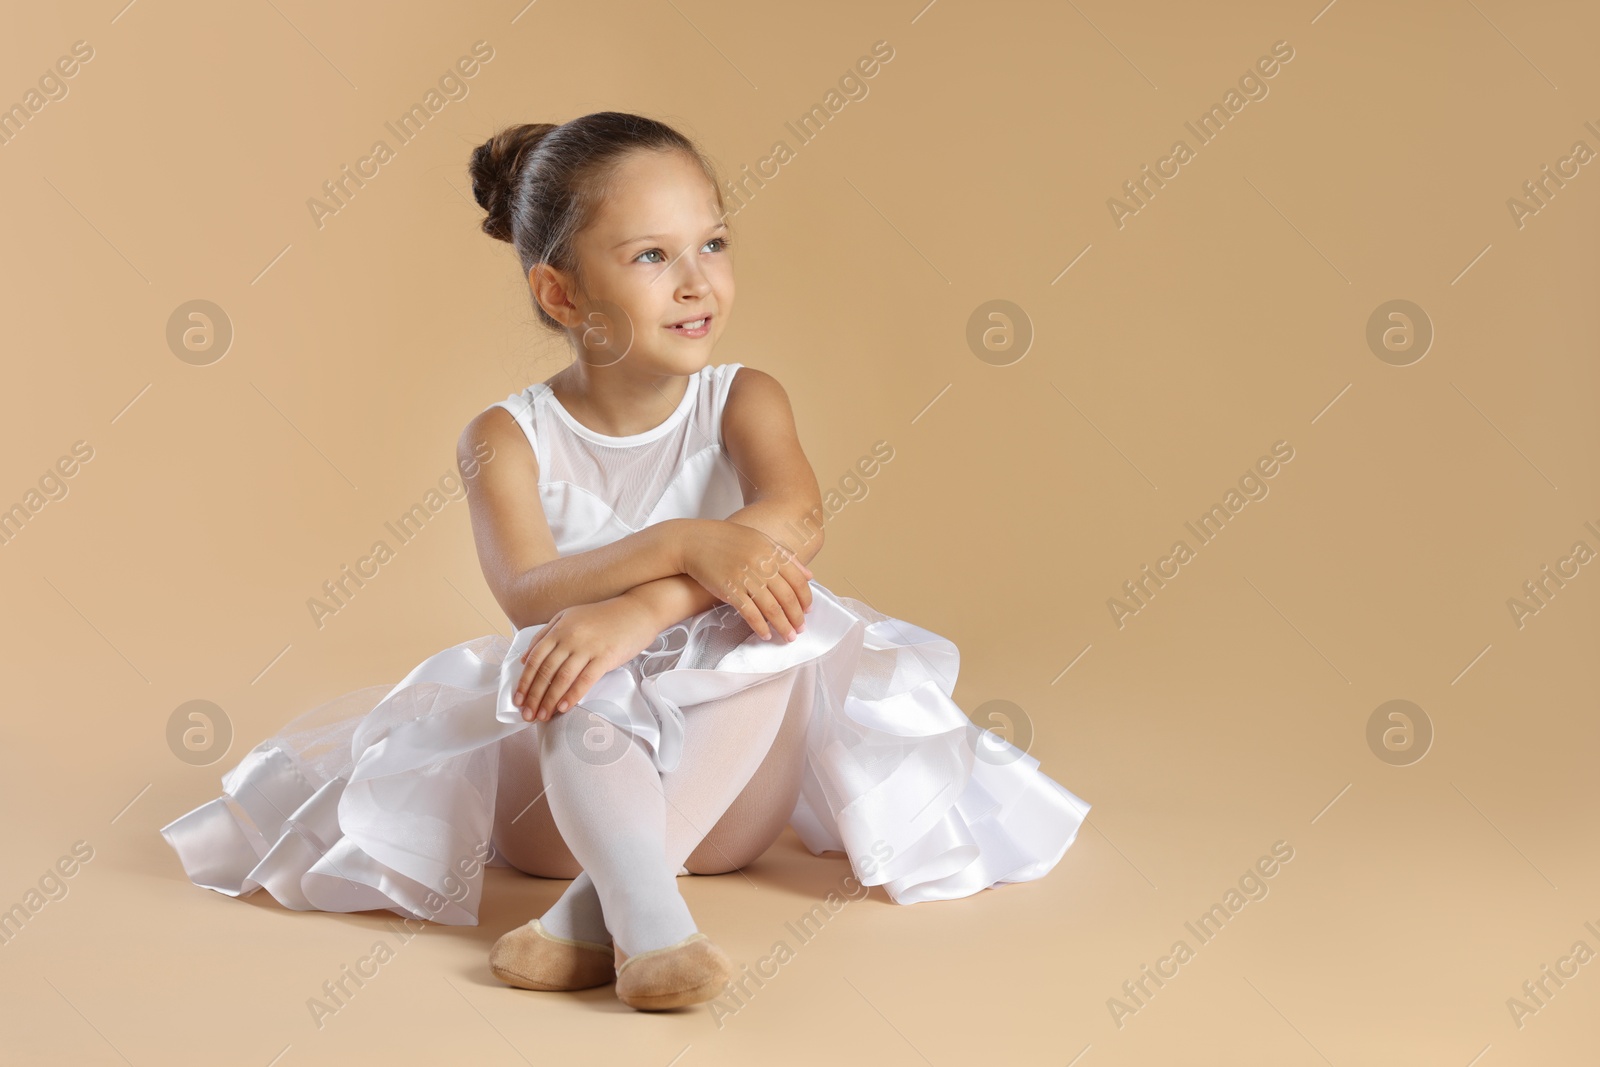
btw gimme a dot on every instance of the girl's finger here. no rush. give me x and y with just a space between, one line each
557 703
798 561
778 624
536 690
582 682
561 681
559 694
752 615
535 643
526 681
537 651
521 699
522 683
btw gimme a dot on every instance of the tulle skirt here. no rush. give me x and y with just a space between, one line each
384 797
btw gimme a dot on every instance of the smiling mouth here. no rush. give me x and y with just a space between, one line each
693 327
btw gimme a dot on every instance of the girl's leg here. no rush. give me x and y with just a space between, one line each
763 808
525 833
633 828
605 794
527 836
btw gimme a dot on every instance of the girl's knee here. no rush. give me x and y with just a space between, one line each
718 854
714 863
533 845
542 863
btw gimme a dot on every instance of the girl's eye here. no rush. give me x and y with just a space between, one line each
723 241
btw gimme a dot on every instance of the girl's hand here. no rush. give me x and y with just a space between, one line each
742 566
577 646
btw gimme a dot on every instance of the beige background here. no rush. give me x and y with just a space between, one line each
1229 313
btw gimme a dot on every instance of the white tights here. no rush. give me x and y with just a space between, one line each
579 792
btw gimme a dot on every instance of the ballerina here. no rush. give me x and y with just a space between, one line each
679 687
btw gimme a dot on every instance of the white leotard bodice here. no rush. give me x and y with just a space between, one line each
596 488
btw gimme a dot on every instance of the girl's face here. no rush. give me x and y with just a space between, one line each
655 256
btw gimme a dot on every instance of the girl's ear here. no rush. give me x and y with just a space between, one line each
552 288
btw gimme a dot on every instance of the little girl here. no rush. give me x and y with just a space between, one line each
679 688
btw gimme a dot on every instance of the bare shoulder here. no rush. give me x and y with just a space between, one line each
755 395
759 435
757 413
492 433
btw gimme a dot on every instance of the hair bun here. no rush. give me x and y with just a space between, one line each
494 169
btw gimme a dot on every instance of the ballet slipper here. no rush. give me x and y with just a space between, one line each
685 972
531 957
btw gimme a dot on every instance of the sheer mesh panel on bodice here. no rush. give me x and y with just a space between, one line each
596 488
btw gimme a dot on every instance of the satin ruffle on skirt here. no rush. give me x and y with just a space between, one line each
383 798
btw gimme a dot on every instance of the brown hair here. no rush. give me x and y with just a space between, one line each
541 183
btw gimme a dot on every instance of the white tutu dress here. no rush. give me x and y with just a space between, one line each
384 798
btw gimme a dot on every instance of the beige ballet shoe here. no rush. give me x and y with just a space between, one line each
531 957
691 971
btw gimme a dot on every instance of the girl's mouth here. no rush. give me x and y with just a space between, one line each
694 327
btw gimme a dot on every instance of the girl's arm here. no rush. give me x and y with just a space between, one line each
530 580
676 597
782 499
